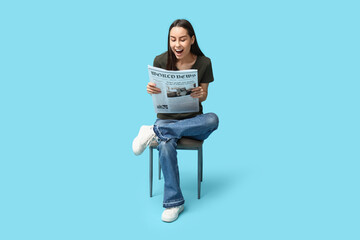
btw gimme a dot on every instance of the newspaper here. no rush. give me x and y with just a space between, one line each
175 88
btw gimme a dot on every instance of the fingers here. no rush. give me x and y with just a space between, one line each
151 89
197 92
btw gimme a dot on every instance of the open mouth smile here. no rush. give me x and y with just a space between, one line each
179 52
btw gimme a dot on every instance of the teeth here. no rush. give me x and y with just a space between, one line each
178 50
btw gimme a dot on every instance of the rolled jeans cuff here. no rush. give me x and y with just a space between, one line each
174 203
159 135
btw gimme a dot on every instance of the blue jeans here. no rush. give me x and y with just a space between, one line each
169 131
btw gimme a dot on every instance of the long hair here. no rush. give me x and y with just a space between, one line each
171 60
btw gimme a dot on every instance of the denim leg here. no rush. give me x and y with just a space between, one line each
168 133
169 165
212 122
198 127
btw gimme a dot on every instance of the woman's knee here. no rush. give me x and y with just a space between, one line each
212 120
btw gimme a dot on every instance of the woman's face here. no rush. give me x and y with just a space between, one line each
180 42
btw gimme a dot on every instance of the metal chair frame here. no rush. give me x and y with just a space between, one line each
180 146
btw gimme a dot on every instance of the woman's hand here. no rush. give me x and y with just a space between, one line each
197 92
151 89
200 92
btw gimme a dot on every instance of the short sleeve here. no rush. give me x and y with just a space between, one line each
156 62
208 74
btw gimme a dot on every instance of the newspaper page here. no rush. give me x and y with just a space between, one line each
175 88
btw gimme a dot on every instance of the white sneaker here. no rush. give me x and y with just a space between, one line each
171 214
143 139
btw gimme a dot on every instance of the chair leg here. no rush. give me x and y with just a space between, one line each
159 170
199 171
202 162
151 169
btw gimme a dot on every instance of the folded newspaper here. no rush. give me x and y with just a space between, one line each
175 88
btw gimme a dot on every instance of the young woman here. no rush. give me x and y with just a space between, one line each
183 53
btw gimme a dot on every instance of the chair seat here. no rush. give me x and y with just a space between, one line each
183 143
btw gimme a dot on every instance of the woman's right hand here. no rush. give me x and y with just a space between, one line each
151 89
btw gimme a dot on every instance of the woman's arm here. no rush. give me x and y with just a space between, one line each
200 92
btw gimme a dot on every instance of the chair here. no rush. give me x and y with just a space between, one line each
182 144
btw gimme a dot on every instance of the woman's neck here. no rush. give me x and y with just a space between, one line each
187 62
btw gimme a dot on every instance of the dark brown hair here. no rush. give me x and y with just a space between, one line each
171 60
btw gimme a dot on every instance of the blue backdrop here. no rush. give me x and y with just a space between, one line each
284 163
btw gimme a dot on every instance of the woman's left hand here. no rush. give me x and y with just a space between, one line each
200 92
197 92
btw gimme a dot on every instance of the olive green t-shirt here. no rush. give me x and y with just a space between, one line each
205 75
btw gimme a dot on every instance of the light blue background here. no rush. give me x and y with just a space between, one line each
284 163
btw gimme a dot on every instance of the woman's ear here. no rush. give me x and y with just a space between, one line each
192 39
